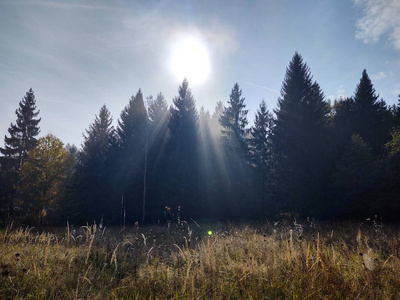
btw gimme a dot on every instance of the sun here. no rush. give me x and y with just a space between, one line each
190 59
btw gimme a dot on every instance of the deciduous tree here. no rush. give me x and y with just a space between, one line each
42 176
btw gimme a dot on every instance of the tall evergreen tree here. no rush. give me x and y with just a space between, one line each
234 121
234 139
300 140
15 152
94 167
23 133
183 124
370 118
157 159
182 150
259 141
131 138
260 155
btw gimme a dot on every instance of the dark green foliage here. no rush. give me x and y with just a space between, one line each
8 180
234 122
300 140
72 205
385 197
353 178
183 124
395 109
131 140
261 157
370 119
260 143
23 132
182 151
365 115
94 177
15 152
157 158
343 124
235 180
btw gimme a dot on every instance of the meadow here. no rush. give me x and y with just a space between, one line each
190 260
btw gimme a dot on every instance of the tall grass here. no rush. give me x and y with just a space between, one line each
264 261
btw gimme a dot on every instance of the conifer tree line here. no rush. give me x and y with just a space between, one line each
307 158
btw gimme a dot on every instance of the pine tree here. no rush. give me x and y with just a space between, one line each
95 165
15 152
234 122
260 155
158 111
131 140
259 142
132 125
370 115
182 151
300 140
23 133
157 158
183 124
234 139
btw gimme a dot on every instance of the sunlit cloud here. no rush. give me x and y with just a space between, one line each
380 19
379 76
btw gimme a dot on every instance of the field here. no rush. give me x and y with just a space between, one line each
285 260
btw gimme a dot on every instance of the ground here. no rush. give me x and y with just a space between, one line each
280 260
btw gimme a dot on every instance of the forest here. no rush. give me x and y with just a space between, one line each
305 158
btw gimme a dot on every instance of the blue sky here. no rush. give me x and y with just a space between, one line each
79 55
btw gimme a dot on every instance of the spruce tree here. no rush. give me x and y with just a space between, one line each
259 141
95 167
183 124
234 139
22 139
23 132
132 125
182 152
157 158
300 140
260 156
234 122
369 118
131 140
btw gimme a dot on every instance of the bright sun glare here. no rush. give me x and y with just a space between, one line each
190 60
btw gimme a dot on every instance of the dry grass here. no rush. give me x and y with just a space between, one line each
281 261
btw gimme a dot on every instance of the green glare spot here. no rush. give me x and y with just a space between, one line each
209 232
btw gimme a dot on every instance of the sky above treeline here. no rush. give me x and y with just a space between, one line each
79 55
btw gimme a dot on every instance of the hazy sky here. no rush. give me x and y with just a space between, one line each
79 55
